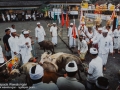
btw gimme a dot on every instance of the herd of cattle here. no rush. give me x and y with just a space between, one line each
53 64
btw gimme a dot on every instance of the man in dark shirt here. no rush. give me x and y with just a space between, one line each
6 44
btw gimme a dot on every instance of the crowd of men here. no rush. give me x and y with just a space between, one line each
24 16
98 41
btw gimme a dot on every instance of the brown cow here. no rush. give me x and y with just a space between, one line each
49 71
47 45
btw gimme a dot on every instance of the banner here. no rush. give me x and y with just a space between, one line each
84 5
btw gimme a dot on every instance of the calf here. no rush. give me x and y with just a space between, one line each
47 45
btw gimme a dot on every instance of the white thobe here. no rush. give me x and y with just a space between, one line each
89 36
8 17
96 37
26 17
95 69
3 17
14 45
12 17
21 36
105 45
25 51
110 33
40 33
72 41
33 16
82 46
53 30
116 34
82 30
94 30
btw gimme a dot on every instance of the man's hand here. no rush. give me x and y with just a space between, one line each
15 53
26 43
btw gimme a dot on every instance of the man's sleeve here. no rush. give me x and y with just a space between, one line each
96 41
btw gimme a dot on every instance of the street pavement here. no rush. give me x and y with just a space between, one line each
113 61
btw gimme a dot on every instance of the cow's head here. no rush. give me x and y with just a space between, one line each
45 57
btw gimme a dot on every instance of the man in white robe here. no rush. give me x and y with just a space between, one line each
105 45
34 17
8 17
53 31
110 33
82 29
97 36
95 69
3 17
82 47
72 41
116 34
14 43
13 28
39 33
25 47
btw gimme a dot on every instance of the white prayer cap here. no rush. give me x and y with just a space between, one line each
105 31
100 29
71 66
38 23
13 30
82 22
93 51
36 72
54 23
71 23
26 32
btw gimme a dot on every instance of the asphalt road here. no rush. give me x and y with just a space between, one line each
113 61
